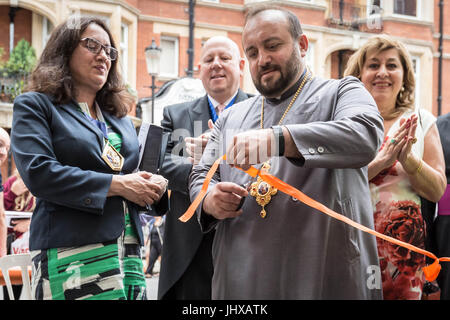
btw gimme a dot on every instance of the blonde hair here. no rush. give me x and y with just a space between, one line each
380 43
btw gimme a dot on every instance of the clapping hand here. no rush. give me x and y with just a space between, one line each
406 156
399 146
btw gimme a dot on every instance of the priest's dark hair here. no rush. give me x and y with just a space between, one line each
52 74
295 28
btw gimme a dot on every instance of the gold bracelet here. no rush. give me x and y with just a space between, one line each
419 168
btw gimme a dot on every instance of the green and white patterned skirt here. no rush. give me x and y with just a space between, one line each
104 271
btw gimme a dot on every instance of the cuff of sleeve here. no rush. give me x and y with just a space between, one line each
299 162
163 205
279 138
207 222
157 209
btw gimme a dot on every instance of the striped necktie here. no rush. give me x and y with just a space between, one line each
220 107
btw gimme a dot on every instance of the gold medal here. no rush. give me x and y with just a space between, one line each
112 157
260 189
263 191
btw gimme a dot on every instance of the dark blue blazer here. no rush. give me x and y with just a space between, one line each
58 151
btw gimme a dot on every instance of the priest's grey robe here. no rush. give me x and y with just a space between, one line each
297 252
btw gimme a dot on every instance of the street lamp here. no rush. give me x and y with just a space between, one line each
152 56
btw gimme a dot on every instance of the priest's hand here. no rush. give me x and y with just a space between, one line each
223 200
251 147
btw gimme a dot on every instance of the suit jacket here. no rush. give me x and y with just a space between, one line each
181 240
58 152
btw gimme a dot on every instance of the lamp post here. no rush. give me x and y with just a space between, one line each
190 51
152 56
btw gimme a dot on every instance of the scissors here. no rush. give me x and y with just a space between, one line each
247 186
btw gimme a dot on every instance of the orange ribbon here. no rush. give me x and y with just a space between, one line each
191 210
431 271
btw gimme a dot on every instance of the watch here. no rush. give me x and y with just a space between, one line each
279 137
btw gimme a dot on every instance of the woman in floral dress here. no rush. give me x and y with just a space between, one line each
409 165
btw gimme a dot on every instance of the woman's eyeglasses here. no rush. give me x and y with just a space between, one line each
95 47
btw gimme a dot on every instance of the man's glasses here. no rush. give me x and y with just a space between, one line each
95 47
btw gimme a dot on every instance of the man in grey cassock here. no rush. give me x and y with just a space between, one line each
317 135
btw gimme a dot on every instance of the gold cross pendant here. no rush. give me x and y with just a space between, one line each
263 191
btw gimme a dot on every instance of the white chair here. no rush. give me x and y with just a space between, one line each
17 260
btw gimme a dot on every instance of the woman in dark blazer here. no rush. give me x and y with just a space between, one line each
77 153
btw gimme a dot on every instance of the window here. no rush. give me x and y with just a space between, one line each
406 7
47 28
169 57
124 50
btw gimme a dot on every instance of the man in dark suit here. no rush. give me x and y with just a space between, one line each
186 266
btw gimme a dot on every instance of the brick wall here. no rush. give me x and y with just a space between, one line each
408 30
203 14
4 26
225 17
22 27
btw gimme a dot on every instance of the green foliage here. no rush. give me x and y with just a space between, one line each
22 58
13 73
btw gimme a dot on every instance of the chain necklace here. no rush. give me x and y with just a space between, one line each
297 93
261 190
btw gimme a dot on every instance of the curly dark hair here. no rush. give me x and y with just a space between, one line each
52 74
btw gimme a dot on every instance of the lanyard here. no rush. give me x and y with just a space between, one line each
110 155
214 115
99 123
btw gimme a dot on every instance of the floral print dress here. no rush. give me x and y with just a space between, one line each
397 213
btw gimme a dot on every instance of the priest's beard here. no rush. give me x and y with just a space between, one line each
288 75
